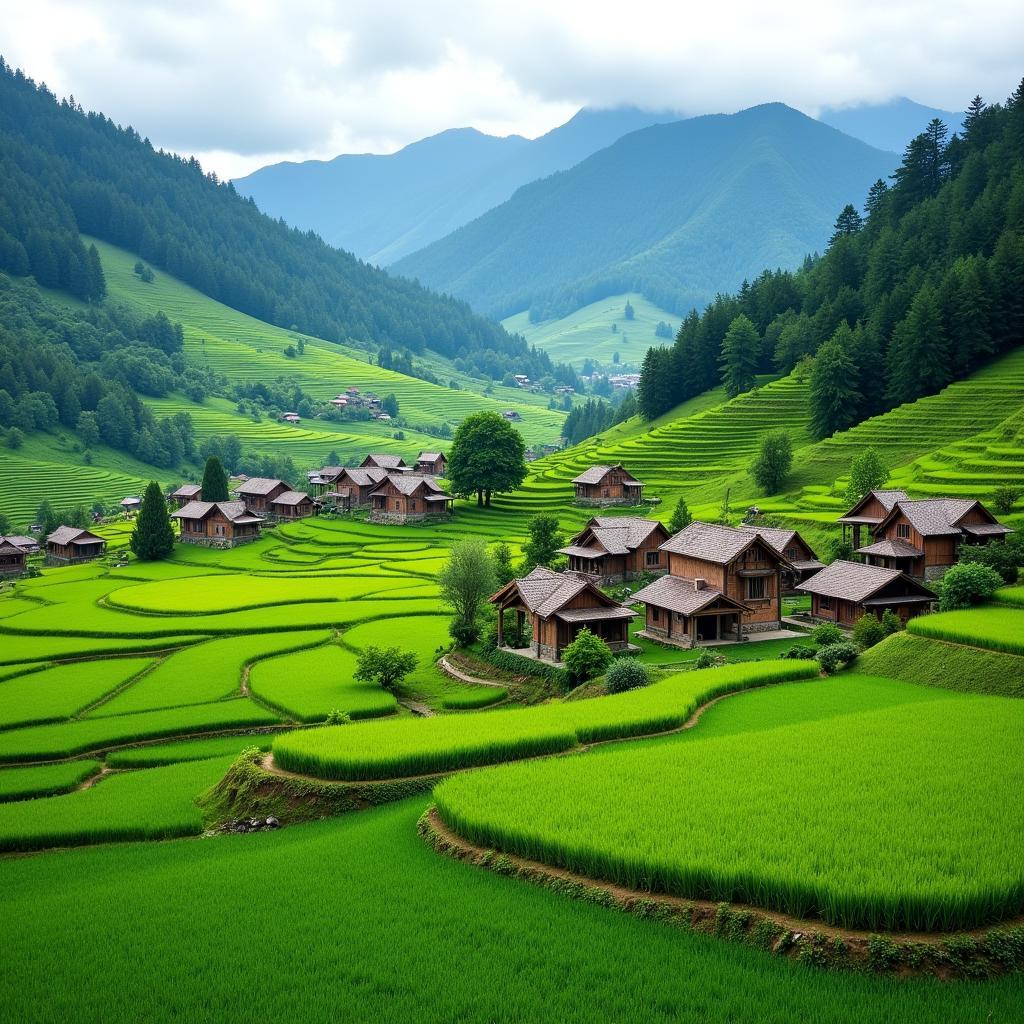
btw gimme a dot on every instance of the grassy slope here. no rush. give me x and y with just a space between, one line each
587 333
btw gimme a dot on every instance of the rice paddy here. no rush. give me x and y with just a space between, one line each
993 627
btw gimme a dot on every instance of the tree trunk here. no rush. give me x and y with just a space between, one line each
487 500
480 498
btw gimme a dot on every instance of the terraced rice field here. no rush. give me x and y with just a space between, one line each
993 627
907 847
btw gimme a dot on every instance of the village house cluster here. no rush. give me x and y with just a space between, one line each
720 584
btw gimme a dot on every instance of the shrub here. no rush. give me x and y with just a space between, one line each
968 583
386 667
827 633
464 633
337 717
626 674
891 623
705 660
773 461
833 657
799 652
1004 497
1004 558
587 656
867 631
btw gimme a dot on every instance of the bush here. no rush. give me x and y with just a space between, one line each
465 633
867 631
587 656
891 623
384 667
968 583
705 660
337 717
833 657
626 674
1004 558
827 633
1004 497
799 652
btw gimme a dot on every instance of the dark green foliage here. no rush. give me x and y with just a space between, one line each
1004 558
504 571
65 172
834 395
629 313
799 653
487 454
966 584
465 582
868 631
867 473
705 660
891 622
587 656
153 537
1004 498
591 417
215 480
771 466
385 667
544 541
741 354
681 517
626 674
833 657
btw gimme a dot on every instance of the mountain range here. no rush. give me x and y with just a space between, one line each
890 125
383 207
677 212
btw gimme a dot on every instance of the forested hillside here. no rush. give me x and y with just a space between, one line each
65 171
677 212
918 293
383 207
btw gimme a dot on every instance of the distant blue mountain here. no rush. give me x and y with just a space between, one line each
384 207
889 125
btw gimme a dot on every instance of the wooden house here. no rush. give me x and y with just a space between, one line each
184 494
869 512
27 544
12 558
402 498
844 591
511 415
794 549
292 505
722 584
923 538
352 487
382 460
431 463
218 524
325 479
559 605
257 492
131 505
608 485
610 549
69 545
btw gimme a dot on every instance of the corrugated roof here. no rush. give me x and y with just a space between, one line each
592 553
852 581
186 491
408 485
259 485
986 529
235 511
593 614
25 543
366 476
709 542
430 456
619 534
680 595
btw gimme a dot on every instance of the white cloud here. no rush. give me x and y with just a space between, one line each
244 82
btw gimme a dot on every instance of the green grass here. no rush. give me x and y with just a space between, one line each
587 333
918 659
653 653
23 650
44 779
41 742
993 627
154 755
882 833
310 684
389 932
1011 595
64 690
205 672
155 803
472 700
415 747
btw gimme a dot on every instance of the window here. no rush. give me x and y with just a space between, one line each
655 613
757 588
653 557
412 505
825 603
397 505
903 531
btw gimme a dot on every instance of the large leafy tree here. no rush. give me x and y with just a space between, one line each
867 472
215 480
774 458
466 580
487 455
385 667
153 536
544 542
741 354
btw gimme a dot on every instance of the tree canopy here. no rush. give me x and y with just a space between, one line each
487 455
215 481
153 536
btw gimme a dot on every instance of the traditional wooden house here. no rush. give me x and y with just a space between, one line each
12 558
292 505
794 549
27 544
352 487
722 584
382 460
68 545
511 415
325 479
184 494
218 524
923 538
559 605
869 512
431 463
257 492
131 505
608 485
610 549
402 498
844 591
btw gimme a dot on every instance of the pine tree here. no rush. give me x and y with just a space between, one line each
918 356
876 197
741 350
849 222
833 394
681 517
153 536
215 481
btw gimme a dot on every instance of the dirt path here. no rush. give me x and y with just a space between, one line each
418 709
450 670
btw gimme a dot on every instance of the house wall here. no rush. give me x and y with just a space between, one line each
260 503
216 530
610 491
300 511
696 568
765 613
11 565
638 556
70 554
845 613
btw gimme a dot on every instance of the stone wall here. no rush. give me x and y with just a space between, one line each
761 627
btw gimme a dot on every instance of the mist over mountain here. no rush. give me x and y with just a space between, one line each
385 207
889 125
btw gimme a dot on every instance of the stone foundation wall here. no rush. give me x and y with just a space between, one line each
546 651
221 543
401 518
935 572
606 502
761 627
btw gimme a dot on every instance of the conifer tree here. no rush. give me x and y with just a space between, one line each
681 517
833 393
918 355
215 481
849 222
153 536
741 352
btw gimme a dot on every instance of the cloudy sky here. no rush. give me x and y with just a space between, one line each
242 83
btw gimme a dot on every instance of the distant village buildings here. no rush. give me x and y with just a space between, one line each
608 485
